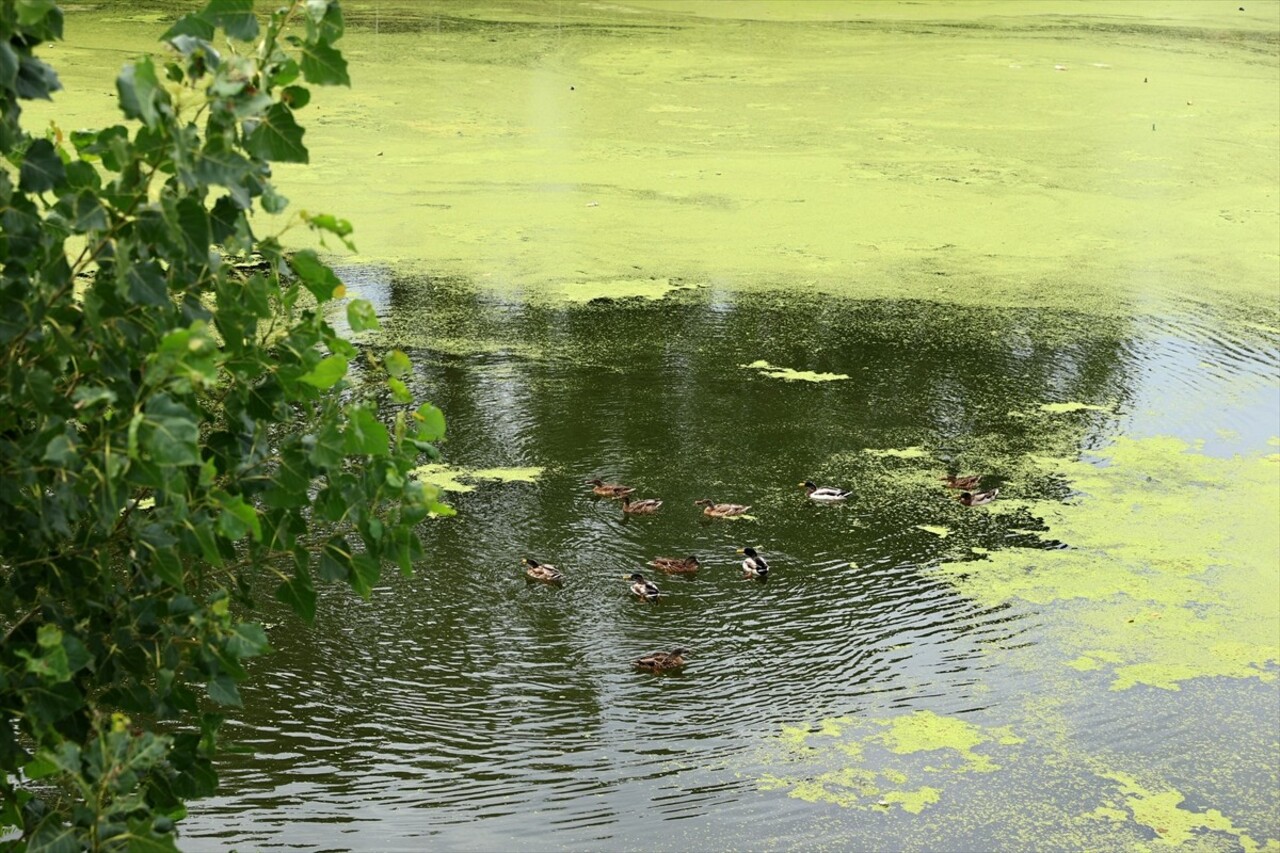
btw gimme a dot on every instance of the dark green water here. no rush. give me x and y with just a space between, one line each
465 708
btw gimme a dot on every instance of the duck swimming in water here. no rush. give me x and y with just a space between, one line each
648 506
716 510
978 498
824 494
754 566
609 490
661 661
536 571
646 589
967 484
675 565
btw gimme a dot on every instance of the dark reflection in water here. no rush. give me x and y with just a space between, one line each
467 704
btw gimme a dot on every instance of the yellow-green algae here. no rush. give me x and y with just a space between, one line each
900 453
1173 825
524 157
868 775
1171 569
625 288
936 529
1071 406
450 479
791 375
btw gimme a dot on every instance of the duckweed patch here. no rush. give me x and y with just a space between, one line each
1060 408
900 453
786 373
450 479
1162 812
1168 552
905 761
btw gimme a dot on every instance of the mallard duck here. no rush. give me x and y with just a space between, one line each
648 590
824 494
661 661
754 566
644 507
610 490
978 498
963 483
716 510
675 565
536 571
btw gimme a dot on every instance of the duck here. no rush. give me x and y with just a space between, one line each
824 494
646 589
675 565
754 566
610 490
966 484
648 506
536 571
978 498
716 510
661 661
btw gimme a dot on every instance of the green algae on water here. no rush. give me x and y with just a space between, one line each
1168 550
906 760
786 373
450 479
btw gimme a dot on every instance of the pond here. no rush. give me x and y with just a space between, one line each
712 251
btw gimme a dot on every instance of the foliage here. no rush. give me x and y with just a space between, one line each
180 425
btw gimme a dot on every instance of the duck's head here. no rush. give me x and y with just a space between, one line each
635 577
809 486
693 560
679 653
529 561
596 482
749 551
703 502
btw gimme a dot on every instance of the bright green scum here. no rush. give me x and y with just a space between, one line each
899 749
1171 556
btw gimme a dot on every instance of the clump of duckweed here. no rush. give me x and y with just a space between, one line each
450 479
1167 551
906 760
790 375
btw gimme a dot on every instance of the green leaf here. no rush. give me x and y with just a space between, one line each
9 66
399 391
364 574
327 373
431 423
190 25
300 595
234 16
89 213
365 433
316 275
237 517
361 315
277 137
296 97
42 169
31 12
247 640
398 364
35 80
222 689
170 433
60 451
323 65
142 96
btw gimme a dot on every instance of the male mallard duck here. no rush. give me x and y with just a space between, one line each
966 484
978 498
824 494
536 571
644 507
716 510
754 565
648 590
675 565
661 661
610 490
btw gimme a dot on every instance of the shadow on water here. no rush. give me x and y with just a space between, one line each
467 699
